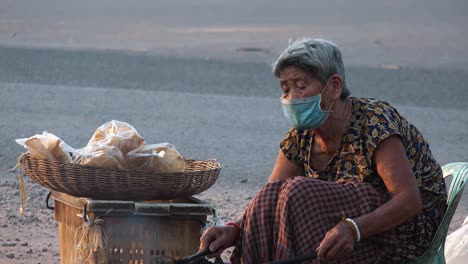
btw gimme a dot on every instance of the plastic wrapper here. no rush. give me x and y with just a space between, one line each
103 156
47 146
456 245
118 134
161 158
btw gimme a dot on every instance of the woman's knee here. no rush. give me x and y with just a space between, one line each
304 183
298 188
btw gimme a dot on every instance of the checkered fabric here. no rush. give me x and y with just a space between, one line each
290 217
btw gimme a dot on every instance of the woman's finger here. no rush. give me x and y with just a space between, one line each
221 241
324 246
216 239
216 254
343 243
335 251
208 236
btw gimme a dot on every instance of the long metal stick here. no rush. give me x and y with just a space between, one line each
195 257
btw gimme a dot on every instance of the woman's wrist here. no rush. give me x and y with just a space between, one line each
234 224
354 228
236 230
352 225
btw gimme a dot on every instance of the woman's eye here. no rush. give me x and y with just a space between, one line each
301 84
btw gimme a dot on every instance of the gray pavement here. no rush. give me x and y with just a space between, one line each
428 33
428 87
242 131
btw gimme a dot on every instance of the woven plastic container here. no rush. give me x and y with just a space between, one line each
97 183
135 232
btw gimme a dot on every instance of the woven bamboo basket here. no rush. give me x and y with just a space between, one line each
105 184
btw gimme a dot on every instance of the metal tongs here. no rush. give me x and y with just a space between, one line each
197 258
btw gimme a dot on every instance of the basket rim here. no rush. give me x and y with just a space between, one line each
108 184
27 155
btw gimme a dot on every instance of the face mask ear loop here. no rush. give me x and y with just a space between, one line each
325 87
333 103
330 109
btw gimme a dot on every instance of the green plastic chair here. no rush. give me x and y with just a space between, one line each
435 253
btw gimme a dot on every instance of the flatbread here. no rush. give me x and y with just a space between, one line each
107 157
47 146
161 158
118 134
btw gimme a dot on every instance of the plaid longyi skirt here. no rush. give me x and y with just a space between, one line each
290 217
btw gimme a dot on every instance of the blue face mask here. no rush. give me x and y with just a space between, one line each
305 113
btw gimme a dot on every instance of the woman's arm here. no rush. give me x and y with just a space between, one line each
393 167
219 238
284 169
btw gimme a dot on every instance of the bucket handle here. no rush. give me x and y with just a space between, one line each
216 221
47 202
85 213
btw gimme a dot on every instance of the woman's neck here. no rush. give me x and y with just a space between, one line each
332 130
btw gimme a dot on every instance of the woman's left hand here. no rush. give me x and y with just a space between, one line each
337 244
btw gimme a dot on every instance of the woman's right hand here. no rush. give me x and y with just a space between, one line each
218 238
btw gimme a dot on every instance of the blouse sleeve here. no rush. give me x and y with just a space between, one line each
381 122
291 147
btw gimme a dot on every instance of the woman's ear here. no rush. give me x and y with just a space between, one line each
337 84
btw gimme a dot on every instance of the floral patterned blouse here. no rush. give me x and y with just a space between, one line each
372 122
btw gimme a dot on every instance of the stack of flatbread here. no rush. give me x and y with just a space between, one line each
114 145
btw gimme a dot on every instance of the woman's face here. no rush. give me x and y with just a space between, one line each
296 83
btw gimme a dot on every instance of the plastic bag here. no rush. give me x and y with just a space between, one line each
47 146
456 245
103 156
162 158
118 134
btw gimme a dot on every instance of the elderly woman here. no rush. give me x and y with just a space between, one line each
353 181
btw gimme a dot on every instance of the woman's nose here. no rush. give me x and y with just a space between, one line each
292 95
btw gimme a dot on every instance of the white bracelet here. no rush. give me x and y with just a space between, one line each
356 228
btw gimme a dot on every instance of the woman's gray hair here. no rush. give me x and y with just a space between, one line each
318 57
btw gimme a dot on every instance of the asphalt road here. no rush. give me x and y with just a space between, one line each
427 33
207 108
197 73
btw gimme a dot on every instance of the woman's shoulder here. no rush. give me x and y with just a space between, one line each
299 134
371 104
295 143
371 108
375 117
